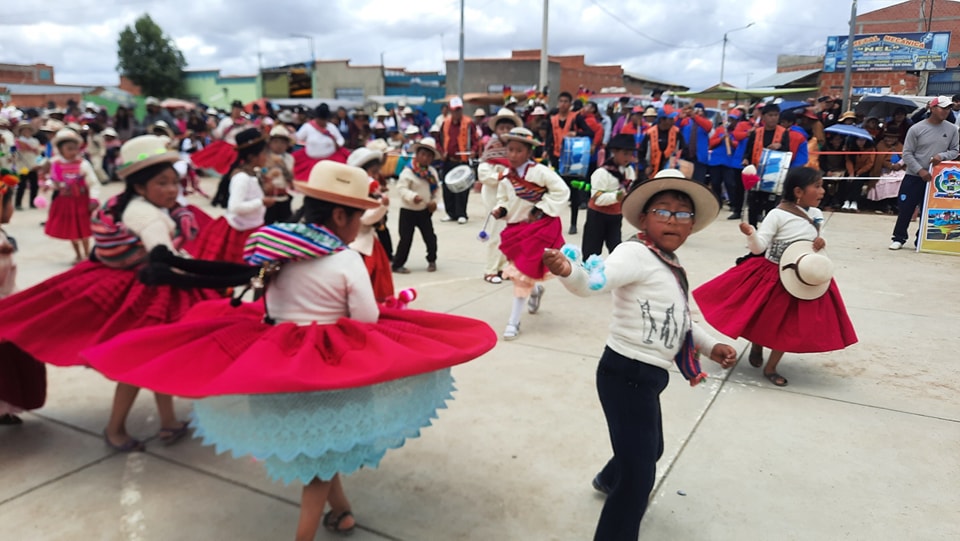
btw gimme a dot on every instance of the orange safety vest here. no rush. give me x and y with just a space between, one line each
463 139
559 133
656 155
758 143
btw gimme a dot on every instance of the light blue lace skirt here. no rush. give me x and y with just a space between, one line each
302 436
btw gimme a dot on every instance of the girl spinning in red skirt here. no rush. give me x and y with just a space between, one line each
530 197
75 186
786 300
241 193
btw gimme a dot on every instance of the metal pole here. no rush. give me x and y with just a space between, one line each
723 57
544 56
460 63
848 71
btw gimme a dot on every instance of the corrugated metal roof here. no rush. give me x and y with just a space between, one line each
34 90
780 79
647 78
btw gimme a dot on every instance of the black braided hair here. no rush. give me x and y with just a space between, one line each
165 268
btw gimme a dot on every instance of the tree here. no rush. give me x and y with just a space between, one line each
150 59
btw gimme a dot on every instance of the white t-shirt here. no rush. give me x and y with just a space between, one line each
318 145
323 290
245 209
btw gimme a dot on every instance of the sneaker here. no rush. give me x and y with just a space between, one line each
462 220
511 332
854 207
599 486
401 270
447 219
573 230
846 206
735 216
896 245
431 267
533 303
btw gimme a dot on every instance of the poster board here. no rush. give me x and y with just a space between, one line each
913 51
940 216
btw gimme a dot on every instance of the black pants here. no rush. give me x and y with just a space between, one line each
630 396
577 196
912 190
600 229
850 190
383 234
734 185
455 204
718 176
279 212
700 171
29 180
410 220
759 204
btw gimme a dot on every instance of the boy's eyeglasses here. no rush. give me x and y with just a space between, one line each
663 215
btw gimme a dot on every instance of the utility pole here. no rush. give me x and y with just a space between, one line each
848 72
723 52
544 55
460 63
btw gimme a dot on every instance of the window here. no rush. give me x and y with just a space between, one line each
353 94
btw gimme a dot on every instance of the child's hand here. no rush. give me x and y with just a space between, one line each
432 206
558 263
747 229
723 354
384 200
819 244
417 199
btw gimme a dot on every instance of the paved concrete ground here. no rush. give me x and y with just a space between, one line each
863 444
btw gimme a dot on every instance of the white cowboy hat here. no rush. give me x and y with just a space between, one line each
164 127
504 115
282 132
430 144
435 128
539 111
67 134
109 132
706 207
52 125
406 111
411 130
142 152
23 126
379 145
362 156
286 117
804 273
522 135
479 112
338 183
381 111
151 101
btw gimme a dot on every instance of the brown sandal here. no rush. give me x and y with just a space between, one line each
332 523
776 379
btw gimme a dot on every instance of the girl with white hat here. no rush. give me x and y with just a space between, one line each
530 197
651 332
99 299
493 163
319 381
75 189
787 300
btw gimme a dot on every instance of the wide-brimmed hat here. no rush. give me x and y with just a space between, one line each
67 134
283 133
381 111
805 273
706 207
22 126
52 125
504 115
110 132
286 117
622 141
650 111
163 127
406 111
363 155
479 112
142 152
849 115
521 135
539 111
338 183
430 144
412 129
151 101
379 145
435 128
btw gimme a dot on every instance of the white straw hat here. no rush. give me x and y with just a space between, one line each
805 273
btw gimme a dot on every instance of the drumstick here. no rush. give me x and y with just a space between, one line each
483 236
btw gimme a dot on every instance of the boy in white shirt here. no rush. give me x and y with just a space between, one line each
418 185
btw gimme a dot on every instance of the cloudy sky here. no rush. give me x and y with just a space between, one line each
669 40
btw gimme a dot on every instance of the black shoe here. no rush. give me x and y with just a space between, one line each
573 230
10 419
599 486
19 207
734 216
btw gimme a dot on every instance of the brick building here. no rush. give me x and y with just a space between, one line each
25 74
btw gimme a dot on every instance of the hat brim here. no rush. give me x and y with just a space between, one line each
23 126
352 202
532 142
791 280
496 119
706 206
167 157
75 138
436 153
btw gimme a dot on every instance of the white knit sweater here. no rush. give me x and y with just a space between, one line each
552 203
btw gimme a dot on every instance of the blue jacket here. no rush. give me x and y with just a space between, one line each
802 155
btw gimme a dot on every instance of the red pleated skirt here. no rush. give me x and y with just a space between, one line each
218 155
302 163
749 300
381 274
88 304
203 221
218 241
23 379
523 244
69 217
217 349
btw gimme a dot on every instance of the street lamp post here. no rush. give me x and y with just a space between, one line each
723 55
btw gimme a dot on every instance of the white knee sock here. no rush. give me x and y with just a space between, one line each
518 304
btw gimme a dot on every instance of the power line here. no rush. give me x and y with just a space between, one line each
647 36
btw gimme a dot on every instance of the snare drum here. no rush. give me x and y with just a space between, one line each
772 171
459 179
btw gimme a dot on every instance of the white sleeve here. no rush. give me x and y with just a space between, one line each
555 200
761 238
702 339
90 177
374 215
302 133
361 303
237 203
222 128
489 174
623 266
403 187
503 193
604 187
148 223
337 136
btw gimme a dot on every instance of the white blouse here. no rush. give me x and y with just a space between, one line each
318 145
245 209
780 228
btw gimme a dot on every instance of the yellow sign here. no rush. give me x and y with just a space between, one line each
940 219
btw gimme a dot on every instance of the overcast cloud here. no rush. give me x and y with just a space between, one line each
79 38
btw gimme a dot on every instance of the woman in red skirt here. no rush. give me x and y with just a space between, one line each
786 300
374 256
530 197
241 193
75 187
97 300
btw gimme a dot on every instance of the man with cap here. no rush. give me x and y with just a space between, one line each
662 143
567 122
770 135
726 152
155 113
696 128
928 143
458 144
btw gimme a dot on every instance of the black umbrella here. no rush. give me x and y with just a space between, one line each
883 106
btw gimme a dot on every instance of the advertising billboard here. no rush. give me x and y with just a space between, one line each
917 51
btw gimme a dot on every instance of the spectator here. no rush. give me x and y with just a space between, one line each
899 124
124 124
888 168
155 114
859 165
833 166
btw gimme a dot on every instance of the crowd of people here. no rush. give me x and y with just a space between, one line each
327 347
